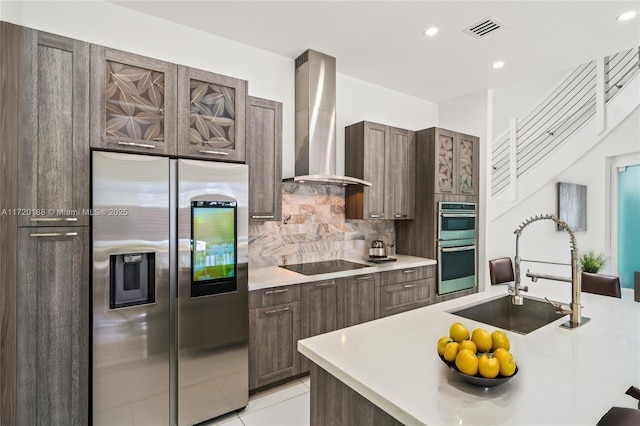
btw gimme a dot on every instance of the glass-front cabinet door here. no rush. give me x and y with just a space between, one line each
445 161
133 102
466 173
211 115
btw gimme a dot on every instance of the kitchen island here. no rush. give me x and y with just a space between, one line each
390 370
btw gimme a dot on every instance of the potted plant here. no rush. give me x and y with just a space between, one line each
591 263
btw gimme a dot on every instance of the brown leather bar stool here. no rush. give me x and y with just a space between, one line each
501 270
605 285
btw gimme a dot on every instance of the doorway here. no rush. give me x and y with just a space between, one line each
628 223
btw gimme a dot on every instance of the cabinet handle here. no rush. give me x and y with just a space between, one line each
326 284
368 277
409 285
207 151
408 271
54 219
140 145
375 216
262 216
398 215
54 234
275 311
282 290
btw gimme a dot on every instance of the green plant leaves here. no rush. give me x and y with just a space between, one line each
589 262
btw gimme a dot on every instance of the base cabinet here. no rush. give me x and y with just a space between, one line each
360 299
53 326
406 289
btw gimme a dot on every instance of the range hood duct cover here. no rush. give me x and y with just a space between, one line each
315 134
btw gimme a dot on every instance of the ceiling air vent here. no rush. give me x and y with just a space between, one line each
484 27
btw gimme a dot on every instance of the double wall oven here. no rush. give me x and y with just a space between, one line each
457 223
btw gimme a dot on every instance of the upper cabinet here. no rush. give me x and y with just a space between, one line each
454 158
133 102
264 157
384 156
53 131
211 115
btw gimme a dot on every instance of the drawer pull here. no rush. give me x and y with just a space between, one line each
408 271
282 290
366 277
409 285
375 216
398 215
262 216
54 219
275 311
207 151
54 234
332 283
139 145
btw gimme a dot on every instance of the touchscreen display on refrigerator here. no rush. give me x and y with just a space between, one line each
214 229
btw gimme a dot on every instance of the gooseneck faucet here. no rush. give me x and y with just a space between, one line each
574 309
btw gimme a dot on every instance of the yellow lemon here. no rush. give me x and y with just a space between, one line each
451 351
467 363
482 339
468 344
488 366
499 340
442 342
506 361
458 332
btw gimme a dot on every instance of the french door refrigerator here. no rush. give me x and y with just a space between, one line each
170 312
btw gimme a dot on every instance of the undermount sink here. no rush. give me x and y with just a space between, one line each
500 312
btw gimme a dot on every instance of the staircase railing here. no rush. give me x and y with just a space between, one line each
570 105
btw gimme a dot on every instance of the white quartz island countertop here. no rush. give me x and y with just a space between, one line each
274 276
565 377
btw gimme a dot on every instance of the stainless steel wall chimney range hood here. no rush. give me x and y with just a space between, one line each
315 141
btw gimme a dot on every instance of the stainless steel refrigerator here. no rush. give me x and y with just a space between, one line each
170 312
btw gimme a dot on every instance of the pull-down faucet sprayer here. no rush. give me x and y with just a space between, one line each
575 309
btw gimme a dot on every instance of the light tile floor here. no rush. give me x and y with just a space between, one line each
285 405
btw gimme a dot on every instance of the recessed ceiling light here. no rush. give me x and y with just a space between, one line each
431 31
498 65
627 15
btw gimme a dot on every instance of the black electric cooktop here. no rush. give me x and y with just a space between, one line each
326 267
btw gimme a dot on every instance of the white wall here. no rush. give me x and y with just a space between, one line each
540 241
270 76
519 99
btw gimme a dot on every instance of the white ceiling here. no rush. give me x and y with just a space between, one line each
382 41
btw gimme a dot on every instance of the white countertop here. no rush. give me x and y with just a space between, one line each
565 377
274 276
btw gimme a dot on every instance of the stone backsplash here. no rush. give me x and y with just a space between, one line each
313 229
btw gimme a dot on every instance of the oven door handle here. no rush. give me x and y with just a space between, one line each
458 214
451 249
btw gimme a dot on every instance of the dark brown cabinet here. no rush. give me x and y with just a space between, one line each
53 325
360 299
453 157
264 157
53 149
44 96
384 156
211 115
405 289
274 331
133 102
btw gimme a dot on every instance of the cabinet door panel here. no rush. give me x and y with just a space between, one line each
274 331
133 102
468 174
53 149
360 296
53 325
264 157
401 169
376 140
211 115
445 162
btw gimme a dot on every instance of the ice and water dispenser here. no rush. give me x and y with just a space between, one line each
132 279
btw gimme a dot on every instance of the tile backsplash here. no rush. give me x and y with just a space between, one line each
313 229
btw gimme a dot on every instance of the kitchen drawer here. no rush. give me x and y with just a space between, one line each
274 296
400 297
407 274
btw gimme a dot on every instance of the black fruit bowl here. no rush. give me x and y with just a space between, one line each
479 380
